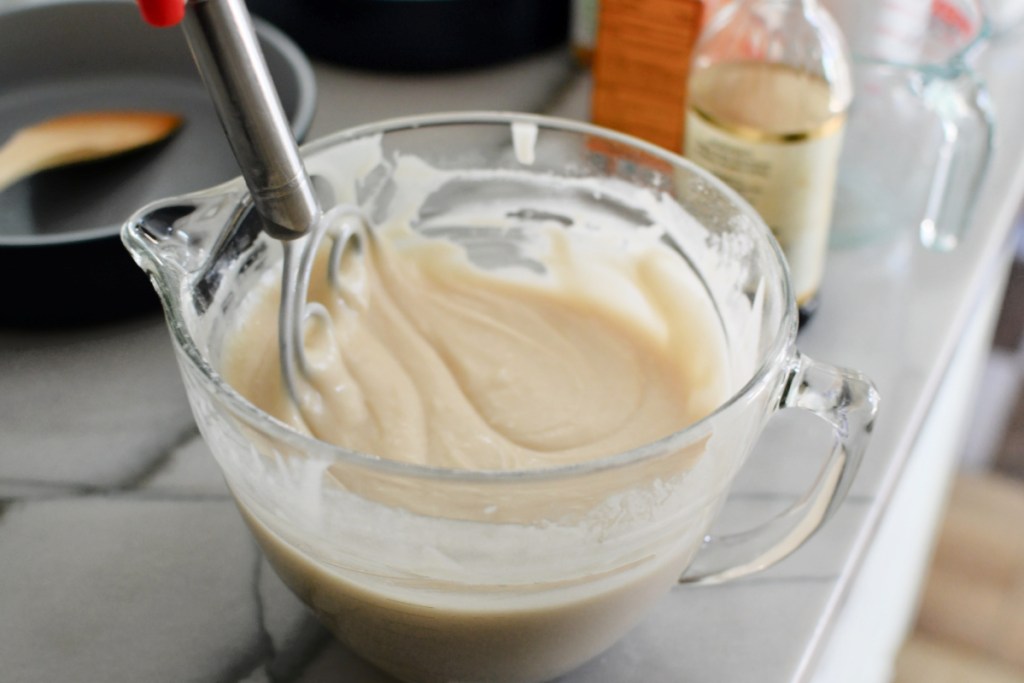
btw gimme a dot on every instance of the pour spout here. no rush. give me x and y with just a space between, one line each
223 42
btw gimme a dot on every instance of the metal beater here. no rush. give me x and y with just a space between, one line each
223 42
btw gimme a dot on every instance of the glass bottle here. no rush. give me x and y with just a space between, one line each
769 89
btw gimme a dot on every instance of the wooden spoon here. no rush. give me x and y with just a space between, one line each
80 137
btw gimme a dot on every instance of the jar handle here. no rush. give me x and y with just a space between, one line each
960 105
848 401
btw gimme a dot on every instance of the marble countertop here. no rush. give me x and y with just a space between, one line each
122 557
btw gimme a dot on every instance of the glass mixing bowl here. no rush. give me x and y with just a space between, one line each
439 574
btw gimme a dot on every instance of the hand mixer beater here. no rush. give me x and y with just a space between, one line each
223 42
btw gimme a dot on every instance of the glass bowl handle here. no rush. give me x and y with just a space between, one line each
846 400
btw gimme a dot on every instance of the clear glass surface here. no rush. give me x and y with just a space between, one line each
920 130
438 574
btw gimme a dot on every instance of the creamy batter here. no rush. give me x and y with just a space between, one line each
429 359
510 635
426 357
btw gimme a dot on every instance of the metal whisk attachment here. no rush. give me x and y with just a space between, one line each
223 42
344 226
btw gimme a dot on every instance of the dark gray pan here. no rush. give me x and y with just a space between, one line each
61 260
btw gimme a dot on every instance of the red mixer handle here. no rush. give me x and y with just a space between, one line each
162 13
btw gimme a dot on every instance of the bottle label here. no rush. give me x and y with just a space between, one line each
788 179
